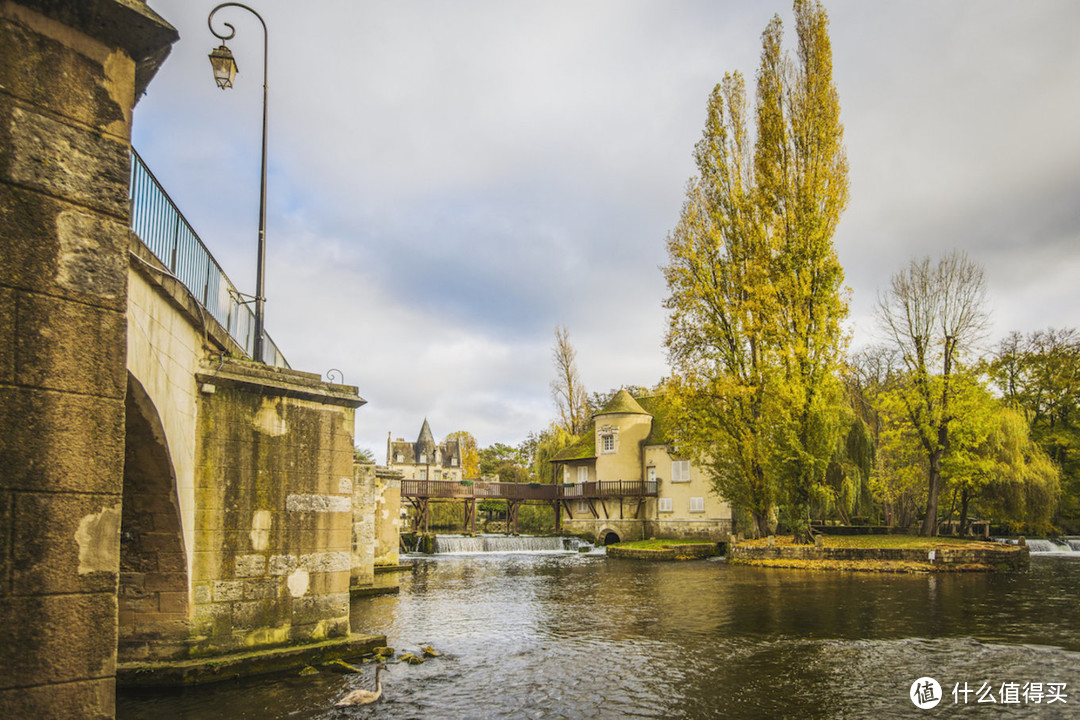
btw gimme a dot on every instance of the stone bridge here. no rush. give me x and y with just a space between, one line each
163 500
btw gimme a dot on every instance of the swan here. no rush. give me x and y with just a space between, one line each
364 697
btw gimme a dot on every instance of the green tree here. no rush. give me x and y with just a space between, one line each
934 315
363 455
755 289
1040 375
993 467
549 443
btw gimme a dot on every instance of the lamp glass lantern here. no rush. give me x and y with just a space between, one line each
221 59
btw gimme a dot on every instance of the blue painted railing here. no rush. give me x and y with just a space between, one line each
161 226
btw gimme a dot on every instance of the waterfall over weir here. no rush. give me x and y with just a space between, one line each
1056 546
505 544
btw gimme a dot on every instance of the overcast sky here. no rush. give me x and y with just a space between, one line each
449 180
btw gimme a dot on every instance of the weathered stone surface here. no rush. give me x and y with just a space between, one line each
267 515
91 699
48 639
59 442
54 552
6 516
7 332
66 162
54 247
70 346
87 94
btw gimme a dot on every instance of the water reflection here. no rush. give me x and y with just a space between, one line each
591 637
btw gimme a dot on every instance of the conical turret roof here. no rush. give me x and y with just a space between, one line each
426 441
623 404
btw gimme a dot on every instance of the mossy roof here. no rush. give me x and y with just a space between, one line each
583 449
622 403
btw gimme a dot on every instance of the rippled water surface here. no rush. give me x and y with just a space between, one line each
585 636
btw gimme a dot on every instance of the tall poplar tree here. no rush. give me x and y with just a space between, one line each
569 393
755 288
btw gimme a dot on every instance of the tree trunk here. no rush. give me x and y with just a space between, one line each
930 523
963 512
761 524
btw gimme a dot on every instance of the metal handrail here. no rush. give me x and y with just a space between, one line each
162 228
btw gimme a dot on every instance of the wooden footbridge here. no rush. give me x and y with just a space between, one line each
420 493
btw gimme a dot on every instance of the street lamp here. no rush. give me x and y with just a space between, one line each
224 72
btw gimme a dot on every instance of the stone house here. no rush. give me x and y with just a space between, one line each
424 459
630 485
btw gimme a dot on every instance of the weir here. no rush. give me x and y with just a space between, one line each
447 544
1055 545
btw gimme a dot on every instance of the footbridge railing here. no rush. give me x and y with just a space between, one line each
162 228
482 490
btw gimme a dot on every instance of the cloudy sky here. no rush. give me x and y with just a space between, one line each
449 180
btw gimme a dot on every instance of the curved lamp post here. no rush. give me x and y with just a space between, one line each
224 73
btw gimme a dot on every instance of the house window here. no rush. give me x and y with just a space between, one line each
423 458
582 506
422 475
582 474
453 462
665 505
651 474
697 505
680 471
400 457
607 443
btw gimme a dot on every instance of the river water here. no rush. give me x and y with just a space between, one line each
551 635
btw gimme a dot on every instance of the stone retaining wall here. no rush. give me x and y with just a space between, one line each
1011 557
695 551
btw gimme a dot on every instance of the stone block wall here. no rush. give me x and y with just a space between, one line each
362 571
387 516
69 75
273 524
376 520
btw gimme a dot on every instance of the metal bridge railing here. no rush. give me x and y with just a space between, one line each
161 226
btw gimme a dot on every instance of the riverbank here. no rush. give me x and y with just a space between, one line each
881 553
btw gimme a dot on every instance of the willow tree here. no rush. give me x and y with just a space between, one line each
755 287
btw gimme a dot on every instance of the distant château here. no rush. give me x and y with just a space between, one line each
424 459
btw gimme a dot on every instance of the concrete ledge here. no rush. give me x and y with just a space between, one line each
400 567
979 557
675 551
256 662
373 590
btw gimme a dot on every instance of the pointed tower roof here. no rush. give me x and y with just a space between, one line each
426 439
622 404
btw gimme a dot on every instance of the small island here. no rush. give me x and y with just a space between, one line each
661 549
881 553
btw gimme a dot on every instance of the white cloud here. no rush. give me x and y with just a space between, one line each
449 181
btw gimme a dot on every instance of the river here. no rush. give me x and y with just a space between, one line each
585 636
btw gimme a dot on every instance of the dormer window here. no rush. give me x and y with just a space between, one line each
423 458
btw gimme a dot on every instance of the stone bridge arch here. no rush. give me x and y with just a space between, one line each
153 588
